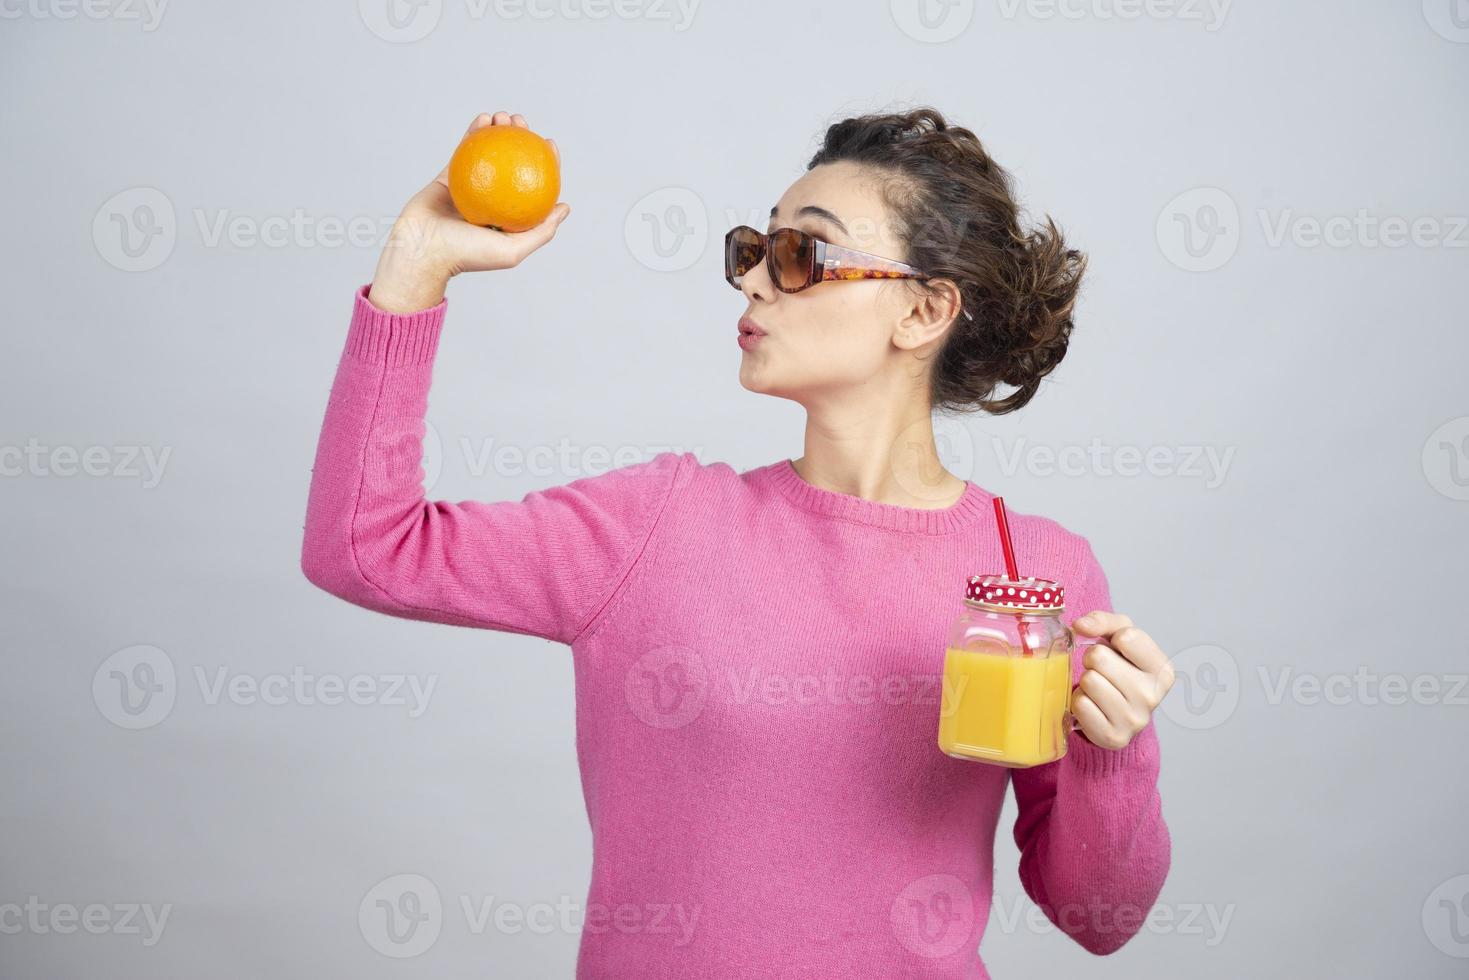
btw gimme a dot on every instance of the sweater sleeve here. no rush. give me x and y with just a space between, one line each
543 566
1094 849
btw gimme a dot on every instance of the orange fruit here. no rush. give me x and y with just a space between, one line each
504 177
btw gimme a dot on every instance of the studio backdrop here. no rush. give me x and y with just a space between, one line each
215 769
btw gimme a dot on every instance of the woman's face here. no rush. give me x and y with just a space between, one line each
834 335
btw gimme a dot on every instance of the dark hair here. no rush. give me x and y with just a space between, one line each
954 210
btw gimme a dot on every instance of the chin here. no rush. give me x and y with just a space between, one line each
749 381
773 391
753 384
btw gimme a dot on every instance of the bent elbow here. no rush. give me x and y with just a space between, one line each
1102 928
1103 943
330 568
1097 924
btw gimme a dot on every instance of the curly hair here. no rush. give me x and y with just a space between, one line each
954 209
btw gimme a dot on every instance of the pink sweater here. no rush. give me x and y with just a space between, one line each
756 664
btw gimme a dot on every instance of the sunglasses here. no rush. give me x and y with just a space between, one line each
797 261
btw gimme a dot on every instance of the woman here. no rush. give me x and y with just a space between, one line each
755 651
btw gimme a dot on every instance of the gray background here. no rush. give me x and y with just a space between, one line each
1189 154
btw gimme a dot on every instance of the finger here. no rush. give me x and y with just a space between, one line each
1093 723
1114 666
1139 648
555 149
480 122
1107 697
519 120
1142 691
1099 622
501 118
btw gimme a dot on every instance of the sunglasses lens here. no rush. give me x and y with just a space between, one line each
792 254
742 251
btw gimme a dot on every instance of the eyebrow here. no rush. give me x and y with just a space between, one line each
813 211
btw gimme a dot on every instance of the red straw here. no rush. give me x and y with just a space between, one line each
1004 524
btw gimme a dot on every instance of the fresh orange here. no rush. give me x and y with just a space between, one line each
505 177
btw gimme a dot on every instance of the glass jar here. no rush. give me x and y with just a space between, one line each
1007 674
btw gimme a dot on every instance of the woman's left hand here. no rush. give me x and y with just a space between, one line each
1125 678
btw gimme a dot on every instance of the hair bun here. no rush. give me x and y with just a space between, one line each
961 223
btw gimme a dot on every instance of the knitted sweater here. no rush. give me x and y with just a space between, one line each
757 665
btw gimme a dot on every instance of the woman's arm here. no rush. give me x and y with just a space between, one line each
544 566
1094 849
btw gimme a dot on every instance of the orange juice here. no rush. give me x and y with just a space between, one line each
1004 709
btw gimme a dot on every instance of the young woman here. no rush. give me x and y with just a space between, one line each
755 652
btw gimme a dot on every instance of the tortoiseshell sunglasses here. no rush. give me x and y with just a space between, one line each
797 261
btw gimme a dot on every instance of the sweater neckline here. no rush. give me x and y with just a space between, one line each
922 520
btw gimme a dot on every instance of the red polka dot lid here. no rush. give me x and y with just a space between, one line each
1021 594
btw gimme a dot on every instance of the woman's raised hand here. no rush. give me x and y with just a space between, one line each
430 243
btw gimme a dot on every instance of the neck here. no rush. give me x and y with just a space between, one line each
886 456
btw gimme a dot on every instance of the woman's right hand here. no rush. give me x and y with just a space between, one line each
430 243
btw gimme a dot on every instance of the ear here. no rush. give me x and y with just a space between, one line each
930 315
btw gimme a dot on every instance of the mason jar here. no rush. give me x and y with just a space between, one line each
1007 674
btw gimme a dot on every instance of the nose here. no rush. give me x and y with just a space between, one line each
756 283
